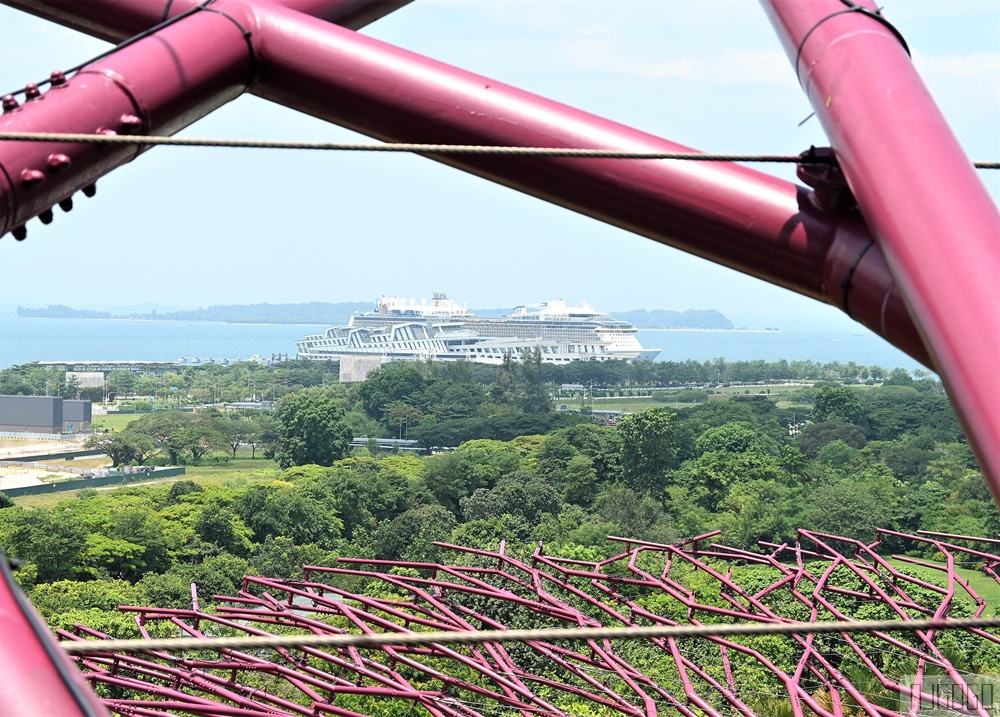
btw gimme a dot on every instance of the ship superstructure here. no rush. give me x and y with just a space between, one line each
443 330
580 326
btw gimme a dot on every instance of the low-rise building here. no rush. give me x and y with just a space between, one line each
77 416
44 414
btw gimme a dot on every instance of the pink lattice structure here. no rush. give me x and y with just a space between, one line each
818 578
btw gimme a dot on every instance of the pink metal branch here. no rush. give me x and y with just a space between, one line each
646 584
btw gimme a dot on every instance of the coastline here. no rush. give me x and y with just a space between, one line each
284 323
186 322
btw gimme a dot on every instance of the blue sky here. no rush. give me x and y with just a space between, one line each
187 227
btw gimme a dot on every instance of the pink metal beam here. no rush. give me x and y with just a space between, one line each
35 671
930 214
727 213
163 83
118 20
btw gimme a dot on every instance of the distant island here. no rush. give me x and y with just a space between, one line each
329 314
315 312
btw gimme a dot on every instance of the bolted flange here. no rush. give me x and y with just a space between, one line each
819 169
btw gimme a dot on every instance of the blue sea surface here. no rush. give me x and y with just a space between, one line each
23 340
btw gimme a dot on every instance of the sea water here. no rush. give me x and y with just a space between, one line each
23 340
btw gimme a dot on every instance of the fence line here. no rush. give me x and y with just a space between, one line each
111 479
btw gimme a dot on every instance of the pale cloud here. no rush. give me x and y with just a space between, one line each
732 66
976 65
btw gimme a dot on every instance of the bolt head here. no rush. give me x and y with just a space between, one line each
46 216
129 124
19 233
66 204
90 190
59 161
57 78
31 91
32 177
10 103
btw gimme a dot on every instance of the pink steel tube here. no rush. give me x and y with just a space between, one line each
36 678
727 213
117 20
930 214
166 83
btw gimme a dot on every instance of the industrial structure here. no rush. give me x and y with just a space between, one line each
44 414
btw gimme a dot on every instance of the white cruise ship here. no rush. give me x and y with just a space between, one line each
443 330
583 328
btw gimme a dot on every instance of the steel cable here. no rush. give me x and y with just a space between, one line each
475 637
110 139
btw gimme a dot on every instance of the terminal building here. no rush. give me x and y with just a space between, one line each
44 414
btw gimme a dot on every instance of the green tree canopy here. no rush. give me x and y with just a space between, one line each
397 382
816 435
411 535
649 448
738 437
518 494
119 447
311 429
838 403
475 464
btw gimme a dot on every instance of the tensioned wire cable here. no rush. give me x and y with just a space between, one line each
417 148
475 637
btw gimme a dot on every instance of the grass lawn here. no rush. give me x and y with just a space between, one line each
259 470
94 462
611 404
114 421
985 586
630 405
789 404
759 390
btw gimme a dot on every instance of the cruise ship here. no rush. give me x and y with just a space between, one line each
582 327
443 330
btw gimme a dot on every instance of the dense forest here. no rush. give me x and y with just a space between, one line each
881 449
860 458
